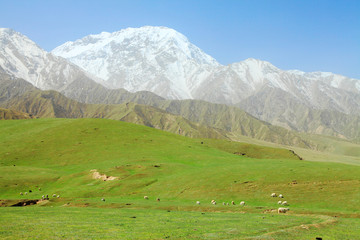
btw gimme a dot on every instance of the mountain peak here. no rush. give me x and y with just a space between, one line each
145 39
157 59
7 31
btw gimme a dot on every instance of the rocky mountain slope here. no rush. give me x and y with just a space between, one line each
7 114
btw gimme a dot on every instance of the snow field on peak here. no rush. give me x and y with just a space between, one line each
146 58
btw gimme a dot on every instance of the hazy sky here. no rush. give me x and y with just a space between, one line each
309 35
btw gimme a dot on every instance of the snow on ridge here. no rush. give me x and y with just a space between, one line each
145 37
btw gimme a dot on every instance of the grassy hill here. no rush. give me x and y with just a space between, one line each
58 156
63 151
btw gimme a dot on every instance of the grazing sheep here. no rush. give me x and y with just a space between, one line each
39 189
281 196
158 199
227 204
25 193
242 203
43 197
213 202
273 195
198 202
58 196
54 195
146 197
283 210
279 202
224 203
284 203
103 199
21 193
232 202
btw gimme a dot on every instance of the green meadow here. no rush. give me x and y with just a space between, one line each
60 156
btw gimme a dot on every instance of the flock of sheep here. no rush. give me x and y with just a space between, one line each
242 203
284 203
43 197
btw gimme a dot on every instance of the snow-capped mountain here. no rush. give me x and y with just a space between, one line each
22 58
156 59
163 61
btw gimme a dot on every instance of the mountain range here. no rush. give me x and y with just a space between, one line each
163 61
110 68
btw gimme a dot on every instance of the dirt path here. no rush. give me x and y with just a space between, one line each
327 220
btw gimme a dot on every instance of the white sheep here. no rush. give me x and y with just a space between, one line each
54 195
25 193
158 199
198 202
279 202
242 203
103 199
232 202
283 210
213 202
273 195
146 197
58 196
284 203
224 203
281 196
21 193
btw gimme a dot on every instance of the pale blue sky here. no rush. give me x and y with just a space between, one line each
309 35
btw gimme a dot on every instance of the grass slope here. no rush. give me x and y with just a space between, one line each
58 155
